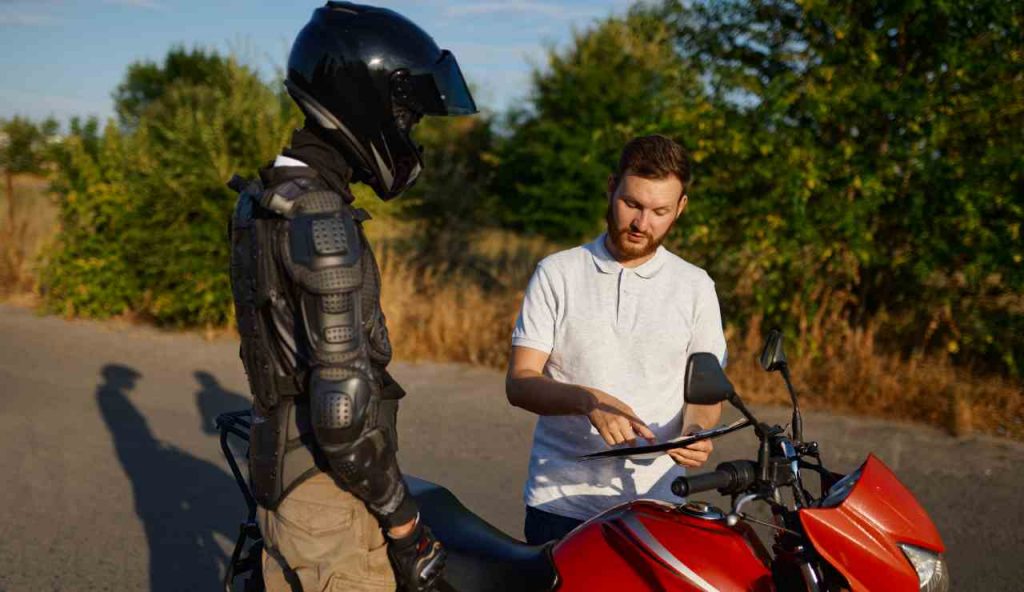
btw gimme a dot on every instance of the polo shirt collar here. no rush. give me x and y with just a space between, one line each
608 264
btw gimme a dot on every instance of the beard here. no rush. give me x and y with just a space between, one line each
621 241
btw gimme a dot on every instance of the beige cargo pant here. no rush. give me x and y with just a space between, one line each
323 539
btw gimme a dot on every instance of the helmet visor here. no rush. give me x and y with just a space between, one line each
443 90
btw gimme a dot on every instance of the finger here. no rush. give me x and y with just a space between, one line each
701 455
616 433
606 436
679 460
694 455
682 460
623 430
687 462
628 434
701 445
642 429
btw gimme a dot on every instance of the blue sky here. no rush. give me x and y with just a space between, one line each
64 58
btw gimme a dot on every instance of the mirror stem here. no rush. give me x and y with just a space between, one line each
762 434
798 421
737 402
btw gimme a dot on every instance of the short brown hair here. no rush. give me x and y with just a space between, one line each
654 157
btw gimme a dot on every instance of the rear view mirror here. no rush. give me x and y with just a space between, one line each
706 383
772 356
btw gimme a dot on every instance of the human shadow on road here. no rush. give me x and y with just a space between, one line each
183 501
212 399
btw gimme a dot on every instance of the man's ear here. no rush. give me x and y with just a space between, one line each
613 184
682 205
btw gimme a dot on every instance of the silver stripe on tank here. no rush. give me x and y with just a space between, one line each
654 545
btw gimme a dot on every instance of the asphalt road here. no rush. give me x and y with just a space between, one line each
109 482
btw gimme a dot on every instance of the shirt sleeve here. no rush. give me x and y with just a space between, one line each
707 326
535 326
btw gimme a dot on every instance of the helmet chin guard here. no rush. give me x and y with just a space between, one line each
364 75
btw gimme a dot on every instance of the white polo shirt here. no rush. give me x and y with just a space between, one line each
625 331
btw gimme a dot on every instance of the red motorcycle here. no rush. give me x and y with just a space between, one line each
864 531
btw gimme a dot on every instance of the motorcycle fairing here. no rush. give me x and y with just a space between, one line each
859 536
653 544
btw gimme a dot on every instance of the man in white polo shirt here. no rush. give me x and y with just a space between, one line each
600 347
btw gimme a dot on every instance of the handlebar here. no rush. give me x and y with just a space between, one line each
728 478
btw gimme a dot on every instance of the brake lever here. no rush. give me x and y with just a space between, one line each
735 515
733 518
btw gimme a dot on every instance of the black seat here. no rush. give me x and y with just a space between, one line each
480 557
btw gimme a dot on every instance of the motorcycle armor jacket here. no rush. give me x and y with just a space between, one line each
314 344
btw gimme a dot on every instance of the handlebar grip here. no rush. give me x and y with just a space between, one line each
684 486
728 478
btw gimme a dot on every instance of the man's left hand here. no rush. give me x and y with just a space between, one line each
694 455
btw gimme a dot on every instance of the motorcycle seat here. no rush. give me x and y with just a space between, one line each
480 556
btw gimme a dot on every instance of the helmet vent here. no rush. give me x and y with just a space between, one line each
342 7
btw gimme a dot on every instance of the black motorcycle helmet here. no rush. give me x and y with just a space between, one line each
366 75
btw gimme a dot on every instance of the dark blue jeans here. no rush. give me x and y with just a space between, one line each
542 526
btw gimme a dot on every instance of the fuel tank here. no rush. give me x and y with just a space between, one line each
650 545
859 531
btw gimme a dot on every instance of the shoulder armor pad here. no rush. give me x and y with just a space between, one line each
296 197
323 250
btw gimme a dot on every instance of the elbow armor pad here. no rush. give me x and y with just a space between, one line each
360 452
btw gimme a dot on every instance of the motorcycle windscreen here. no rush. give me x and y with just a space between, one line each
443 90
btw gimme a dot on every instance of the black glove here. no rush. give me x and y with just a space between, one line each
418 560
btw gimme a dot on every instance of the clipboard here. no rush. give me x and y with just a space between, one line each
656 450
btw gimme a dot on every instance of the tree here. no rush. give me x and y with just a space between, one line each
886 181
146 82
618 80
452 199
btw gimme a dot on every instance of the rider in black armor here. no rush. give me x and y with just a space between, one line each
306 285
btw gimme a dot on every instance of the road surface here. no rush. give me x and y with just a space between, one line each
112 477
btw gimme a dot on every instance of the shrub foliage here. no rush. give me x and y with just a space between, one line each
144 208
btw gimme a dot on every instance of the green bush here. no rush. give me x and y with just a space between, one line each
145 210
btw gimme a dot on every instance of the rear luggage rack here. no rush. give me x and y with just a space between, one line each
246 558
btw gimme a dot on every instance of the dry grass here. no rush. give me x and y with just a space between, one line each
860 379
431 317
24 230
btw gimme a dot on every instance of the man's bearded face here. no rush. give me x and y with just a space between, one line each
641 213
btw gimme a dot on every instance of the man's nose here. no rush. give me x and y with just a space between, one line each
641 221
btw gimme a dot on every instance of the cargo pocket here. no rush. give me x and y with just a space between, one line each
314 519
348 583
374 575
378 567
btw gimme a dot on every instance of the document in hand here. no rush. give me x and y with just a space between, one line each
655 450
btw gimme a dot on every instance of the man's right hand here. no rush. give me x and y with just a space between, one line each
615 421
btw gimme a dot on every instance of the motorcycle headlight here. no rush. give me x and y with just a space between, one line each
932 572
